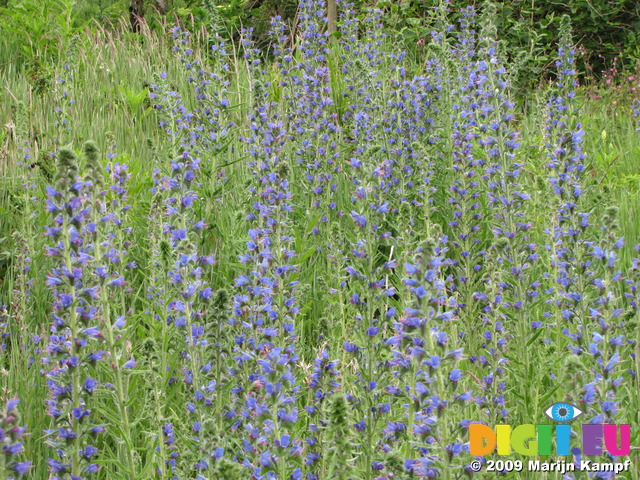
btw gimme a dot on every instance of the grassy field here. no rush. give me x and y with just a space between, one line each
323 262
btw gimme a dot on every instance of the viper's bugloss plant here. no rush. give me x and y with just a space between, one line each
491 355
409 132
313 122
607 329
12 463
24 237
64 95
498 142
425 365
207 131
632 298
568 246
467 248
367 258
376 216
340 452
636 113
108 233
587 285
503 173
184 291
264 406
75 341
320 441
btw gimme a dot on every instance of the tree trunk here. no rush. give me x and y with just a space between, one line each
332 16
136 14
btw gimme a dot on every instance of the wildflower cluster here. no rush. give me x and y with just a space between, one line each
396 259
207 131
11 434
313 123
265 307
568 248
425 367
323 383
64 93
76 339
367 258
586 280
109 233
465 186
185 292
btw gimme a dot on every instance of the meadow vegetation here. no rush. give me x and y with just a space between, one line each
321 258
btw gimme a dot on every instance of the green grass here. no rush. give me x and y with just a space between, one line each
113 71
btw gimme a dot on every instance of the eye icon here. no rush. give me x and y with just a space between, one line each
563 412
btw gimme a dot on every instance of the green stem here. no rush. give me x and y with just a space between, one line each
121 390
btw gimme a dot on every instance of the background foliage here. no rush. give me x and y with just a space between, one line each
607 30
